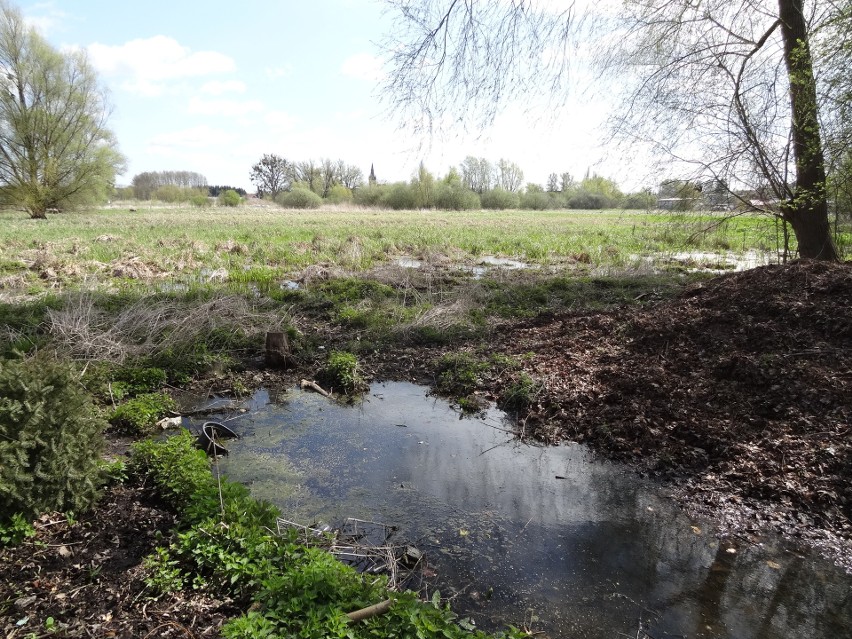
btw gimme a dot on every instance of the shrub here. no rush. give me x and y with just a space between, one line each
452 197
298 198
500 199
370 196
401 196
200 201
589 201
229 198
341 372
339 194
50 439
536 201
641 200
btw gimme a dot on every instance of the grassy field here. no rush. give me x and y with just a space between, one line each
190 285
262 244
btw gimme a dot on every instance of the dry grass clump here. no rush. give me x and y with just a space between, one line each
150 326
445 315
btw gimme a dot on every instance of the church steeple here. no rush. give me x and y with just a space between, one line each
372 177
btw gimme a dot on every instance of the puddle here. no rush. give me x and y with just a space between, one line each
409 262
502 262
290 285
520 534
484 264
711 262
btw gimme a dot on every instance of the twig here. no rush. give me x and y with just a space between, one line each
305 383
508 441
370 611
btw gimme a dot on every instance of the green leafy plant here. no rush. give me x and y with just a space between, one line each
459 374
134 380
178 469
15 530
520 393
141 413
113 472
341 372
50 439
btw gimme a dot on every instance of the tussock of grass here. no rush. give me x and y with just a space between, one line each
152 325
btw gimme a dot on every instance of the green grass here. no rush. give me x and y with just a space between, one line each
264 245
347 264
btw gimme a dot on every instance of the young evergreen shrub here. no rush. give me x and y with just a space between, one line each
50 439
298 198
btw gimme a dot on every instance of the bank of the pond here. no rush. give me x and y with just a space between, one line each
510 531
177 552
737 391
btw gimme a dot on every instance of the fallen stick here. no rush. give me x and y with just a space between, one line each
370 611
314 386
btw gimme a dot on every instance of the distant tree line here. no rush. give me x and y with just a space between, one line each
146 185
216 191
326 178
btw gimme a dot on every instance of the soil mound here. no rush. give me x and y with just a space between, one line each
742 386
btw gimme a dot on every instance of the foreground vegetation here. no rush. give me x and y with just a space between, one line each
288 588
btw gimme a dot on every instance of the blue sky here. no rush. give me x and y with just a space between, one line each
210 87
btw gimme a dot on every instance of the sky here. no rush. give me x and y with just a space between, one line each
210 87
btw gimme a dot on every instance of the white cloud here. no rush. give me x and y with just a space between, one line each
222 87
148 64
276 73
45 18
229 108
279 121
363 66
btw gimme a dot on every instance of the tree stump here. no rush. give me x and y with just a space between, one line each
278 353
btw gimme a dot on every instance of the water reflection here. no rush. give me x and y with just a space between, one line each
518 531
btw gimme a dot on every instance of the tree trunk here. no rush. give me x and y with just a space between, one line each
807 209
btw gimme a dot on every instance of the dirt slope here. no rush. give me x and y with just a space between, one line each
741 389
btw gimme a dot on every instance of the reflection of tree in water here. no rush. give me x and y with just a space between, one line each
588 552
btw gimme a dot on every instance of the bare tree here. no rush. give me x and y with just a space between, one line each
271 175
477 174
351 177
509 175
451 58
730 88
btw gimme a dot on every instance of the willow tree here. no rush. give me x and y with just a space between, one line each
730 88
55 148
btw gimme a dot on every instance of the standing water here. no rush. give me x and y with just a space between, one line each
545 538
